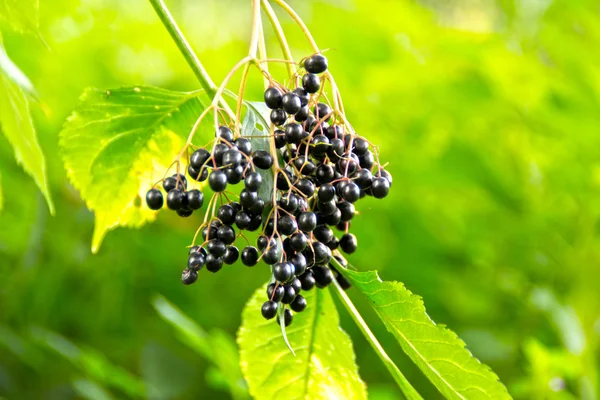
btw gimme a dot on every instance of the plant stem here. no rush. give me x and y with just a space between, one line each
285 48
409 392
300 23
184 47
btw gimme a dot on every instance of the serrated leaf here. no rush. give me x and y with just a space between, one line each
17 126
324 366
257 128
20 15
118 143
436 350
216 346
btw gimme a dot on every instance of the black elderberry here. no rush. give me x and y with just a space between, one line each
248 198
176 199
283 180
199 158
154 199
275 292
291 103
234 174
280 139
255 223
380 188
289 202
336 149
361 146
304 165
232 157
216 246
195 199
307 221
334 218
307 280
257 206
311 83
289 294
269 309
249 256
325 173
253 181
298 241
323 275
302 95
169 184
319 144
188 276
385 174
263 242
327 208
299 263
367 161
273 98
351 192
363 178
196 261
326 192
296 285
278 116
226 214
283 271
262 159
226 234
184 212
287 318
293 133
317 254
286 225
348 165
299 304
302 115
271 255
242 219
244 145
347 211
231 255
322 112
225 133
193 173
323 233
209 232
333 132
213 263
316 64
306 187
217 180
348 243
333 244
218 151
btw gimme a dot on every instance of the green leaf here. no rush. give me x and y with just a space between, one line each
17 126
118 143
256 125
1 196
436 350
324 366
20 15
216 346
14 73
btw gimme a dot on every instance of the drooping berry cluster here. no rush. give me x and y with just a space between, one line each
325 169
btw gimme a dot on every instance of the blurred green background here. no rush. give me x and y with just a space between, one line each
489 115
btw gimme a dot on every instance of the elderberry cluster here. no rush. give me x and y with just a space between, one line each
320 169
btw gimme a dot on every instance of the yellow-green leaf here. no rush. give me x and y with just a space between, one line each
436 350
118 143
324 366
17 126
20 15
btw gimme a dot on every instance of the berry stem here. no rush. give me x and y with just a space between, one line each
300 23
186 50
285 48
409 392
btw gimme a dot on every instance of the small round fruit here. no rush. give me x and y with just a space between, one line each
311 83
298 241
348 243
176 199
351 192
188 276
321 110
287 318
216 246
226 234
307 221
286 225
283 271
323 275
275 292
269 309
213 263
307 280
289 294
195 199
262 159
278 116
380 188
253 181
316 64
231 255
226 214
217 180
196 261
199 158
273 98
299 304
154 199
291 103
249 256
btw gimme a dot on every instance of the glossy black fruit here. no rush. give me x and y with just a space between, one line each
154 199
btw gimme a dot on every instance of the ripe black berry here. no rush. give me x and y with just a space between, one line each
299 263
278 116
325 173
303 95
291 103
154 199
196 261
225 133
348 243
199 158
248 198
305 186
244 145
316 64
232 157
323 275
351 192
363 178
176 199
307 280
216 246
298 241
269 309
283 271
275 292
322 233
293 133
249 256
273 98
311 83
347 211
226 214
213 263
226 234
307 221
243 219
286 225
321 111
262 159
253 181
231 255
263 242
287 318
297 285
272 255
380 188
217 181
289 294
195 199
302 115
299 304
326 192
188 276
